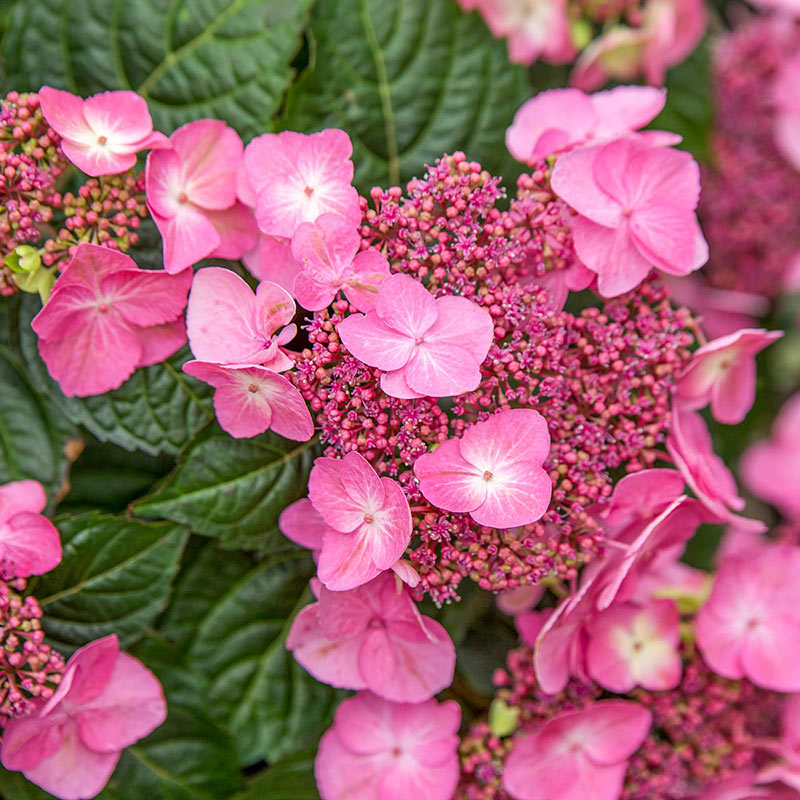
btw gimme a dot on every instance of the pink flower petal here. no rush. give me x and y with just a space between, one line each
96 160
146 297
345 561
406 306
271 260
64 113
27 741
19 496
237 231
159 342
448 480
442 370
188 237
369 270
303 524
344 504
123 117
30 543
372 341
517 494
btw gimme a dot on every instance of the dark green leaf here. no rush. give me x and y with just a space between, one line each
115 577
291 778
408 80
232 629
233 489
33 435
191 58
158 410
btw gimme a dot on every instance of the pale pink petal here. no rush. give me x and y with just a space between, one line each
407 663
771 657
573 182
332 497
515 435
123 117
94 360
325 248
146 297
312 295
734 393
610 253
188 237
31 545
406 306
236 229
448 480
626 108
345 561
372 341
787 137
665 235
274 309
442 370
64 114
74 771
18 496
464 324
210 152
163 174
159 342
393 523
130 706
395 385
97 159
303 524
361 483
332 661
27 741
517 494
86 674
532 773
369 269
344 775
272 260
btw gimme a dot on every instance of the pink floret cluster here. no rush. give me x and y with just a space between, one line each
475 421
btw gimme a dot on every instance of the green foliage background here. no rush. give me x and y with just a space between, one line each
169 525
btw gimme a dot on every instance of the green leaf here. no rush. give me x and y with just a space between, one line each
291 778
233 489
408 80
158 410
232 629
188 758
115 577
33 435
190 58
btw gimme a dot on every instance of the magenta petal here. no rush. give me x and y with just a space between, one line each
393 526
74 771
188 238
332 661
372 341
64 114
303 524
27 741
370 268
65 312
345 561
448 481
96 359
341 774
395 385
146 297
405 306
463 324
130 706
18 496
159 342
405 664
31 543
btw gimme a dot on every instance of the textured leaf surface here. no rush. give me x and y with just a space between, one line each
190 59
232 629
408 80
291 778
115 577
158 410
188 758
33 435
233 489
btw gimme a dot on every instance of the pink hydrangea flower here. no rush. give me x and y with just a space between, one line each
379 750
327 251
373 637
578 755
771 469
690 445
71 743
369 517
229 324
494 471
96 327
296 177
632 645
635 207
786 96
669 31
191 195
29 542
251 399
426 346
304 525
102 134
533 28
750 626
723 373
562 119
